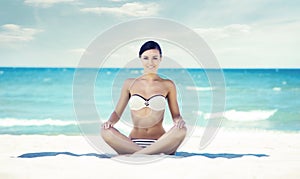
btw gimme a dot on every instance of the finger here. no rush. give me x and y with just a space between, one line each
109 125
106 126
182 123
178 125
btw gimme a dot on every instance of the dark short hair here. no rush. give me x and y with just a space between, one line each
149 45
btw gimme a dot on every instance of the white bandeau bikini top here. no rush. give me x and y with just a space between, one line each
156 102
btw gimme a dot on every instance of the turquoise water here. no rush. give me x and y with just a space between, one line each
40 100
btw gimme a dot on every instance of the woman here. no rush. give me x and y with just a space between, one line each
147 96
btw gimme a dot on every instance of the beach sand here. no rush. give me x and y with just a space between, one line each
231 154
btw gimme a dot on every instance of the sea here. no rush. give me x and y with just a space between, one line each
42 100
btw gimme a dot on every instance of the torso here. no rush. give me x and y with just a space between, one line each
148 122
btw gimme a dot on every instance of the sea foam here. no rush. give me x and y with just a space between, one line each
254 115
195 88
11 122
242 116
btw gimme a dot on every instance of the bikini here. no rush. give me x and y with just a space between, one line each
143 142
155 102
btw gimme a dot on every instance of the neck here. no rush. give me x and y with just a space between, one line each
150 75
146 72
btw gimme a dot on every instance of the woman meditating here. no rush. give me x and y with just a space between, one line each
147 96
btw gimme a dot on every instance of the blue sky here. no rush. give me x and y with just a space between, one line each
242 34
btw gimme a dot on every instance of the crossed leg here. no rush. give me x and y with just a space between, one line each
167 143
119 142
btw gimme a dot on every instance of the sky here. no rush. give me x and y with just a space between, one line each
241 33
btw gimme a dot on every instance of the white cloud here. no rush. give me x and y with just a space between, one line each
46 3
129 9
224 32
174 56
16 33
261 45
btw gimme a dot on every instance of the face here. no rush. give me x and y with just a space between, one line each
151 60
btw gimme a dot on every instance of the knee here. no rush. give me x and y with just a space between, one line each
181 132
107 134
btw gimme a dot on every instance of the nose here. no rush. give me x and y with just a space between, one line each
150 61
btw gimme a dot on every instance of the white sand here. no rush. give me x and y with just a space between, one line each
283 160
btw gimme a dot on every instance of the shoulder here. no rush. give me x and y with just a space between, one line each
128 83
169 84
129 80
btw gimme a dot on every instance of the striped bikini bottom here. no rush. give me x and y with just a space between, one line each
143 142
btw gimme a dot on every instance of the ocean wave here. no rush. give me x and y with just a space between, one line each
241 116
11 122
47 79
276 89
254 115
195 88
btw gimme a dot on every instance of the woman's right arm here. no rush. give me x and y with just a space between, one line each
123 100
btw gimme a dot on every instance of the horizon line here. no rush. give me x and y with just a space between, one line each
54 67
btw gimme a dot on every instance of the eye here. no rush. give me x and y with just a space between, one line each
155 58
145 58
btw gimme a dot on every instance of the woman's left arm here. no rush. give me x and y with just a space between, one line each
173 105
